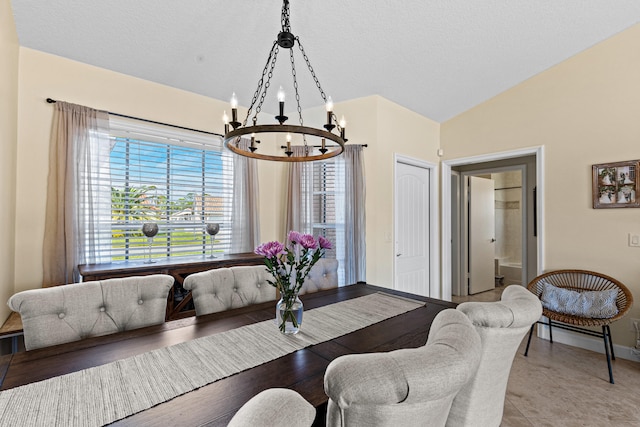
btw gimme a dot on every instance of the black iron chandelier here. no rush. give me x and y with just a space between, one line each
285 40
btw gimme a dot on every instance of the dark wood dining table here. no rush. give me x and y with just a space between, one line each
216 403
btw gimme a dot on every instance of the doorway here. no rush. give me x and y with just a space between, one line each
415 219
454 236
493 248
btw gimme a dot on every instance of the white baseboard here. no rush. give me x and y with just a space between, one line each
587 342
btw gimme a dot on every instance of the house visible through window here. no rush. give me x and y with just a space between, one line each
180 180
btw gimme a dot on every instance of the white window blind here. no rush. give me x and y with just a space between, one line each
177 178
328 207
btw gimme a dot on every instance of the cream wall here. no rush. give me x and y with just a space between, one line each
47 76
399 131
583 111
393 129
9 50
388 129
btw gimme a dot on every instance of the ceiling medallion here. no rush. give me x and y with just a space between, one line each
285 40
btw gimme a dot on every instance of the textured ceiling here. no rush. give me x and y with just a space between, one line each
435 57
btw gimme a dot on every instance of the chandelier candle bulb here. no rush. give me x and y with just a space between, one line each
343 125
288 152
329 107
234 111
225 119
281 117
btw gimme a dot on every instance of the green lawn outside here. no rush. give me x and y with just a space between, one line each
160 241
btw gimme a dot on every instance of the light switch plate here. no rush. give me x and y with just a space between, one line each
634 240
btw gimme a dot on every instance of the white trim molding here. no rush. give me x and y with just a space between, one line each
585 342
445 207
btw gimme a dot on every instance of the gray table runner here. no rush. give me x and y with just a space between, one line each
107 393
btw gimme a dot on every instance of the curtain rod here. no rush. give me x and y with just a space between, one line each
53 101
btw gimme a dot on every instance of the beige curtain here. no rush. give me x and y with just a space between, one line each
299 205
79 136
355 220
245 221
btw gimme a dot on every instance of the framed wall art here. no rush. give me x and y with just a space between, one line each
615 185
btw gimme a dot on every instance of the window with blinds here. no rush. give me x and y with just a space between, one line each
327 184
178 179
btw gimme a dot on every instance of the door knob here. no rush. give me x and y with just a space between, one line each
493 240
398 254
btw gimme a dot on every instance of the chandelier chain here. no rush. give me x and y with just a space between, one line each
295 86
260 93
286 25
315 79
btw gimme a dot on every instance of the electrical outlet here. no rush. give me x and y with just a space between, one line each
632 324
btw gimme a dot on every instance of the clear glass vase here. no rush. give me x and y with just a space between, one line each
289 312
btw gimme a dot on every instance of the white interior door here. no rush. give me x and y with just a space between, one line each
412 229
481 234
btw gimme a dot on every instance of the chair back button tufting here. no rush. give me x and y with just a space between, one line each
61 316
140 302
102 309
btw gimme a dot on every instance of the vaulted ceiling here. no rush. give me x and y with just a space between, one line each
435 57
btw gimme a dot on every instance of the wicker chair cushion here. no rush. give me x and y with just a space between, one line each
592 304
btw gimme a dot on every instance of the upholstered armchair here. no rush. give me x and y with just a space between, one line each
501 326
323 275
275 407
73 312
408 387
226 288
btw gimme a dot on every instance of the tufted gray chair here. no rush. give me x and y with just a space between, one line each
501 326
275 407
226 288
408 387
62 314
323 275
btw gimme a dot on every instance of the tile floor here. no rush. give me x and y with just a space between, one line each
563 386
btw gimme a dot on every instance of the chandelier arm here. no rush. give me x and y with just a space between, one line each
271 59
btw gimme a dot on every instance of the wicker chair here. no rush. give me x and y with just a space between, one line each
582 281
